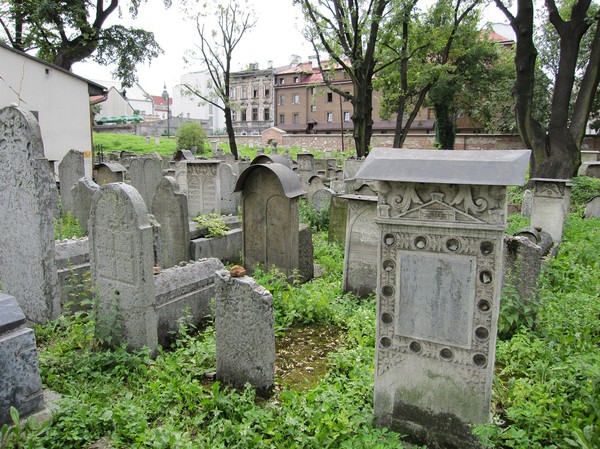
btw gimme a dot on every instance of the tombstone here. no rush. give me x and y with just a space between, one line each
122 257
181 175
169 207
592 208
351 167
183 155
146 173
214 145
27 203
230 201
270 195
321 199
527 204
314 183
70 170
156 140
203 187
108 172
82 193
551 202
338 217
306 166
592 169
20 382
229 159
441 218
244 333
361 243
522 266
147 140
271 159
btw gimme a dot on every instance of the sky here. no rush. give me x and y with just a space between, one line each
276 37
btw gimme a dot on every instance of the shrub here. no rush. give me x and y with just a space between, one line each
191 134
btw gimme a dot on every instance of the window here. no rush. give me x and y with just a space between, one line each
267 92
232 92
313 90
348 92
329 97
282 100
244 92
281 80
346 116
313 108
267 114
281 119
329 117
296 98
254 114
296 79
243 115
254 92
296 119
233 116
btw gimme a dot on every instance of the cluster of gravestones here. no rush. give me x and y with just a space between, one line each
421 229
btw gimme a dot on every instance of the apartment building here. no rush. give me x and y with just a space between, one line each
251 92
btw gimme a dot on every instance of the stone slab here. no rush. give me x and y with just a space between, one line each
11 315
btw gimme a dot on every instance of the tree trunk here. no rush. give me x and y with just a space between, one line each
445 129
362 117
230 133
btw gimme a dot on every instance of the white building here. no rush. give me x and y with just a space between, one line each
58 98
187 105
115 105
139 100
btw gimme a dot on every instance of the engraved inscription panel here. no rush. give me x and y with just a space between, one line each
435 297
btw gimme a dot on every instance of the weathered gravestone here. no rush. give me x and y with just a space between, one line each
230 201
122 257
82 194
70 170
306 166
592 208
270 195
361 243
108 172
245 334
27 203
145 173
321 199
203 187
314 183
20 382
527 204
551 202
169 207
441 217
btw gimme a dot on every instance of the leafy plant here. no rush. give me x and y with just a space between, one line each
584 189
214 224
317 220
67 227
191 134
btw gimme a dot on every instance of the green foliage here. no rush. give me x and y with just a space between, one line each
516 222
214 224
136 144
67 227
191 134
318 220
584 189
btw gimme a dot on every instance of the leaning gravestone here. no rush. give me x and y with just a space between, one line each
145 173
170 209
27 203
122 257
70 170
20 382
245 334
82 194
441 218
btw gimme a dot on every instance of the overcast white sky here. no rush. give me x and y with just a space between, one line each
276 37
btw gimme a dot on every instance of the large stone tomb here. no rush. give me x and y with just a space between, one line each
441 217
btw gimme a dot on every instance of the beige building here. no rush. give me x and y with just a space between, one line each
251 91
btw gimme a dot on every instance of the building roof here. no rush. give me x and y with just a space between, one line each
94 88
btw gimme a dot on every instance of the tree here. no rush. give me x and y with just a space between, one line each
70 31
216 50
191 134
419 48
556 147
348 32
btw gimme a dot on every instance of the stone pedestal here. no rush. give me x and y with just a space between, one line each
441 217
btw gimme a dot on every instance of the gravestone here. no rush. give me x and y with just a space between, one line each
230 201
306 166
183 155
145 173
270 195
229 159
27 203
203 187
314 183
592 208
108 172
70 170
244 333
361 243
441 218
122 257
82 193
20 382
169 207
321 199
338 217
527 205
181 175
551 202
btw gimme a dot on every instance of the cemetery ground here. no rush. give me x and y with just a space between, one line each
546 388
